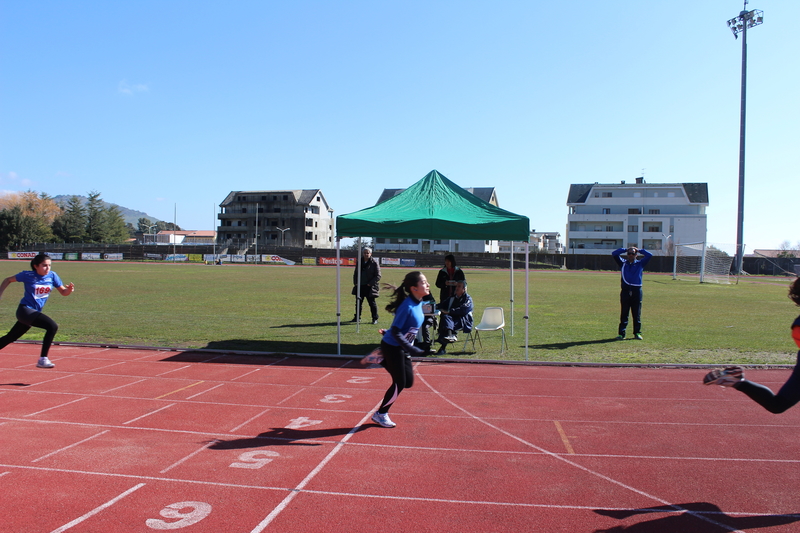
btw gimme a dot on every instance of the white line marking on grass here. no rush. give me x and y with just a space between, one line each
122 386
173 465
173 370
574 464
248 421
70 446
56 406
98 509
148 414
281 506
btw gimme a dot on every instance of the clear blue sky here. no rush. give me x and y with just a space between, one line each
158 104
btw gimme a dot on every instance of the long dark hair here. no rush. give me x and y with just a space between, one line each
403 291
38 260
794 291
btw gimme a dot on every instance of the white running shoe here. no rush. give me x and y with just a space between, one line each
44 362
383 420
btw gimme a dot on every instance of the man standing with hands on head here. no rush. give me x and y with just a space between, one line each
630 297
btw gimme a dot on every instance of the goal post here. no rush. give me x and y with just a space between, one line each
699 260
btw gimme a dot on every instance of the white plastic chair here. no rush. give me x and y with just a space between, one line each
492 320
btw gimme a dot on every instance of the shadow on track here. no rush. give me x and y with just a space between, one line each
688 522
284 436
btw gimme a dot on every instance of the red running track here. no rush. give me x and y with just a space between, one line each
134 440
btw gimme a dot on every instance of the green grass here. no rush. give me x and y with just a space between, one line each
573 315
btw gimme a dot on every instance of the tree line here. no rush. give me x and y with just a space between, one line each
29 217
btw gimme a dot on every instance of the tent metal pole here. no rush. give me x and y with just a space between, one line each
527 294
511 269
338 299
359 303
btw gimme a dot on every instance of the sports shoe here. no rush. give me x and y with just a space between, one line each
620 337
44 362
727 377
383 420
637 336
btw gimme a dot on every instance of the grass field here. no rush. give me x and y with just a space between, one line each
573 315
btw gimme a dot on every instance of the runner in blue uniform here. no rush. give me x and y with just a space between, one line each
397 344
788 395
38 283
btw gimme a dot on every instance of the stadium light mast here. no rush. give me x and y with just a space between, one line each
740 24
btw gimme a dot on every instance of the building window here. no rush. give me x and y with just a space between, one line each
285 197
309 236
609 228
244 210
633 229
606 210
264 198
654 211
274 198
309 222
670 195
607 195
598 228
276 210
634 211
637 195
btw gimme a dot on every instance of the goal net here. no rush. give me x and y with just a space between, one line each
699 260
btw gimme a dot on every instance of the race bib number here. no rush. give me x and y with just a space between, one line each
41 291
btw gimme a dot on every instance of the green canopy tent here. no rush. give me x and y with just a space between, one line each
434 208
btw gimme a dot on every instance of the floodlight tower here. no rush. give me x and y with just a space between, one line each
740 24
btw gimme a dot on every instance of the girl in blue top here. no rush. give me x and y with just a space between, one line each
38 283
397 344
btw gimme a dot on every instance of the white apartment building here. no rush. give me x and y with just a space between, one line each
654 216
540 241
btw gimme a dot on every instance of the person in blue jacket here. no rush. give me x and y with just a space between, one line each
38 283
630 297
397 343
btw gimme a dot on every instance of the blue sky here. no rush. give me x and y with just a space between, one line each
166 107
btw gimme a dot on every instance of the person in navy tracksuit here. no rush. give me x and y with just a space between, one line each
630 297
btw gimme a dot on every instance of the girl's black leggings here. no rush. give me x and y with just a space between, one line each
787 396
398 364
27 318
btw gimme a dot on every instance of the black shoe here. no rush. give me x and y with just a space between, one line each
441 351
355 319
374 320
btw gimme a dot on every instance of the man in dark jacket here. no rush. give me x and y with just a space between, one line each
456 315
370 276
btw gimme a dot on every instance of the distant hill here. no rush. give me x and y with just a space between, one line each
129 215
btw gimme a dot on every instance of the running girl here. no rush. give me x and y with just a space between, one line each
38 283
788 395
397 343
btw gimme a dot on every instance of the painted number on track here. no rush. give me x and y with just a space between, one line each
360 379
187 513
255 460
335 398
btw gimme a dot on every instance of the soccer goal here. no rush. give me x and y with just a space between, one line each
699 260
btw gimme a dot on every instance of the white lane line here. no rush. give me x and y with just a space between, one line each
574 464
123 386
173 370
295 393
246 374
181 461
56 407
281 506
205 391
70 446
248 421
106 366
98 509
148 414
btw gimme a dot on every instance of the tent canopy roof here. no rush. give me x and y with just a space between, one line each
435 208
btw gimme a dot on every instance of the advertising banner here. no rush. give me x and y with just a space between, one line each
176 257
22 255
276 260
344 261
309 260
408 262
90 256
394 261
112 257
71 256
